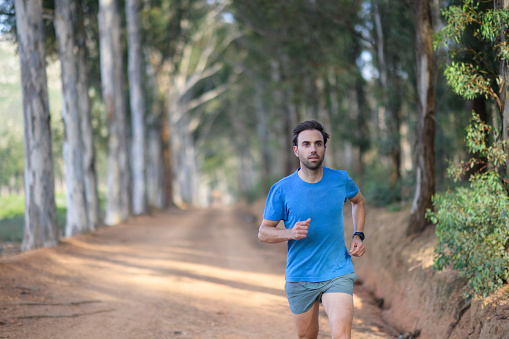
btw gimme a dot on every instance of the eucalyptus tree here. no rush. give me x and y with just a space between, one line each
156 169
425 152
166 26
118 195
83 10
137 100
41 228
476 35
391 21
77 221
307 47
190 89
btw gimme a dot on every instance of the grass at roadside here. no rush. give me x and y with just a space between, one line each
12 216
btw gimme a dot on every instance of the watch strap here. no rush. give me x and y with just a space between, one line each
360 234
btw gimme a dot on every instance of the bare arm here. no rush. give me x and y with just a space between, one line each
270 234
359 217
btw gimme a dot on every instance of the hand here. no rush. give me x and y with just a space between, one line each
357 248
300 229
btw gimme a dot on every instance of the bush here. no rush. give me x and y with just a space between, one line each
472 223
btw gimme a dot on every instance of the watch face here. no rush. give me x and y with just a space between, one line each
360 234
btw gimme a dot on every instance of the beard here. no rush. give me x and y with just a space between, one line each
312 165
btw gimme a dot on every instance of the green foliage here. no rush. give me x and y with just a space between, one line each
476 37
468 80
472 223
11 160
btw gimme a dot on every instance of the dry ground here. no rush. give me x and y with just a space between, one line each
177 274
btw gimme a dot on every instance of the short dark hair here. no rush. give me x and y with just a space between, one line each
309 125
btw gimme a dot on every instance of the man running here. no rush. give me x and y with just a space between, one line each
319 268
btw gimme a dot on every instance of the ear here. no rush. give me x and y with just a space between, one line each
295 151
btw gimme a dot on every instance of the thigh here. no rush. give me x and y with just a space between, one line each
339 309
307 322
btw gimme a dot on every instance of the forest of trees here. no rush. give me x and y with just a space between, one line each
199 97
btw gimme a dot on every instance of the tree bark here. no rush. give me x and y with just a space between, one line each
155 153
118 195
261 131
41 229
137 108
391 101
87 135
504 94
73 156
425 153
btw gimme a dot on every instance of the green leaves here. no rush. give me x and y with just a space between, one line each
468 80
475 38
472 223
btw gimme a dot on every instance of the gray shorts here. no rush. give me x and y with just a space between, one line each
302 295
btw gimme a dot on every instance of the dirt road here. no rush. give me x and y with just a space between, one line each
178 274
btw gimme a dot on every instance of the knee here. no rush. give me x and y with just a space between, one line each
309 334
342 335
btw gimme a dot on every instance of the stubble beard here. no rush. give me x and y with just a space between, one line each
312 166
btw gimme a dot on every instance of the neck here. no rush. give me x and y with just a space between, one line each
310 176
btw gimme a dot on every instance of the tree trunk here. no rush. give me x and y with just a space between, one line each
425 153
391 100
155 154
137 98
118 195
263 138
504 72
155 168
73 158
41 229
87 135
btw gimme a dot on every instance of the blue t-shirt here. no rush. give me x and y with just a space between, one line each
322 255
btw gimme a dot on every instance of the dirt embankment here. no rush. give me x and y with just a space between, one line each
417 299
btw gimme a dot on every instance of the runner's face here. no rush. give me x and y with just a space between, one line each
310 149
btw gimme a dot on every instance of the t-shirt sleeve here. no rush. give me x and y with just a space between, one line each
274 207
351 188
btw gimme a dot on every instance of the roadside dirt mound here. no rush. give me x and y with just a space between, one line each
416 299
179 274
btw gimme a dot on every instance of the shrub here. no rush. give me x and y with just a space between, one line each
472 223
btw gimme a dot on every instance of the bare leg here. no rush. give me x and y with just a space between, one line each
307 323
339 309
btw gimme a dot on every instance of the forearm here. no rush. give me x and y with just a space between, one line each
272 235
359 215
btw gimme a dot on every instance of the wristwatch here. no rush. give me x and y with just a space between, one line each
360 234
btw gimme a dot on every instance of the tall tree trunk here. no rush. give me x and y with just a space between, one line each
41 229
155 154
73 158
391 101
425 153
137 98
87 135
362 109
261 131
118 195
504 72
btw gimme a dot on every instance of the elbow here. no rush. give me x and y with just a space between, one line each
261 237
